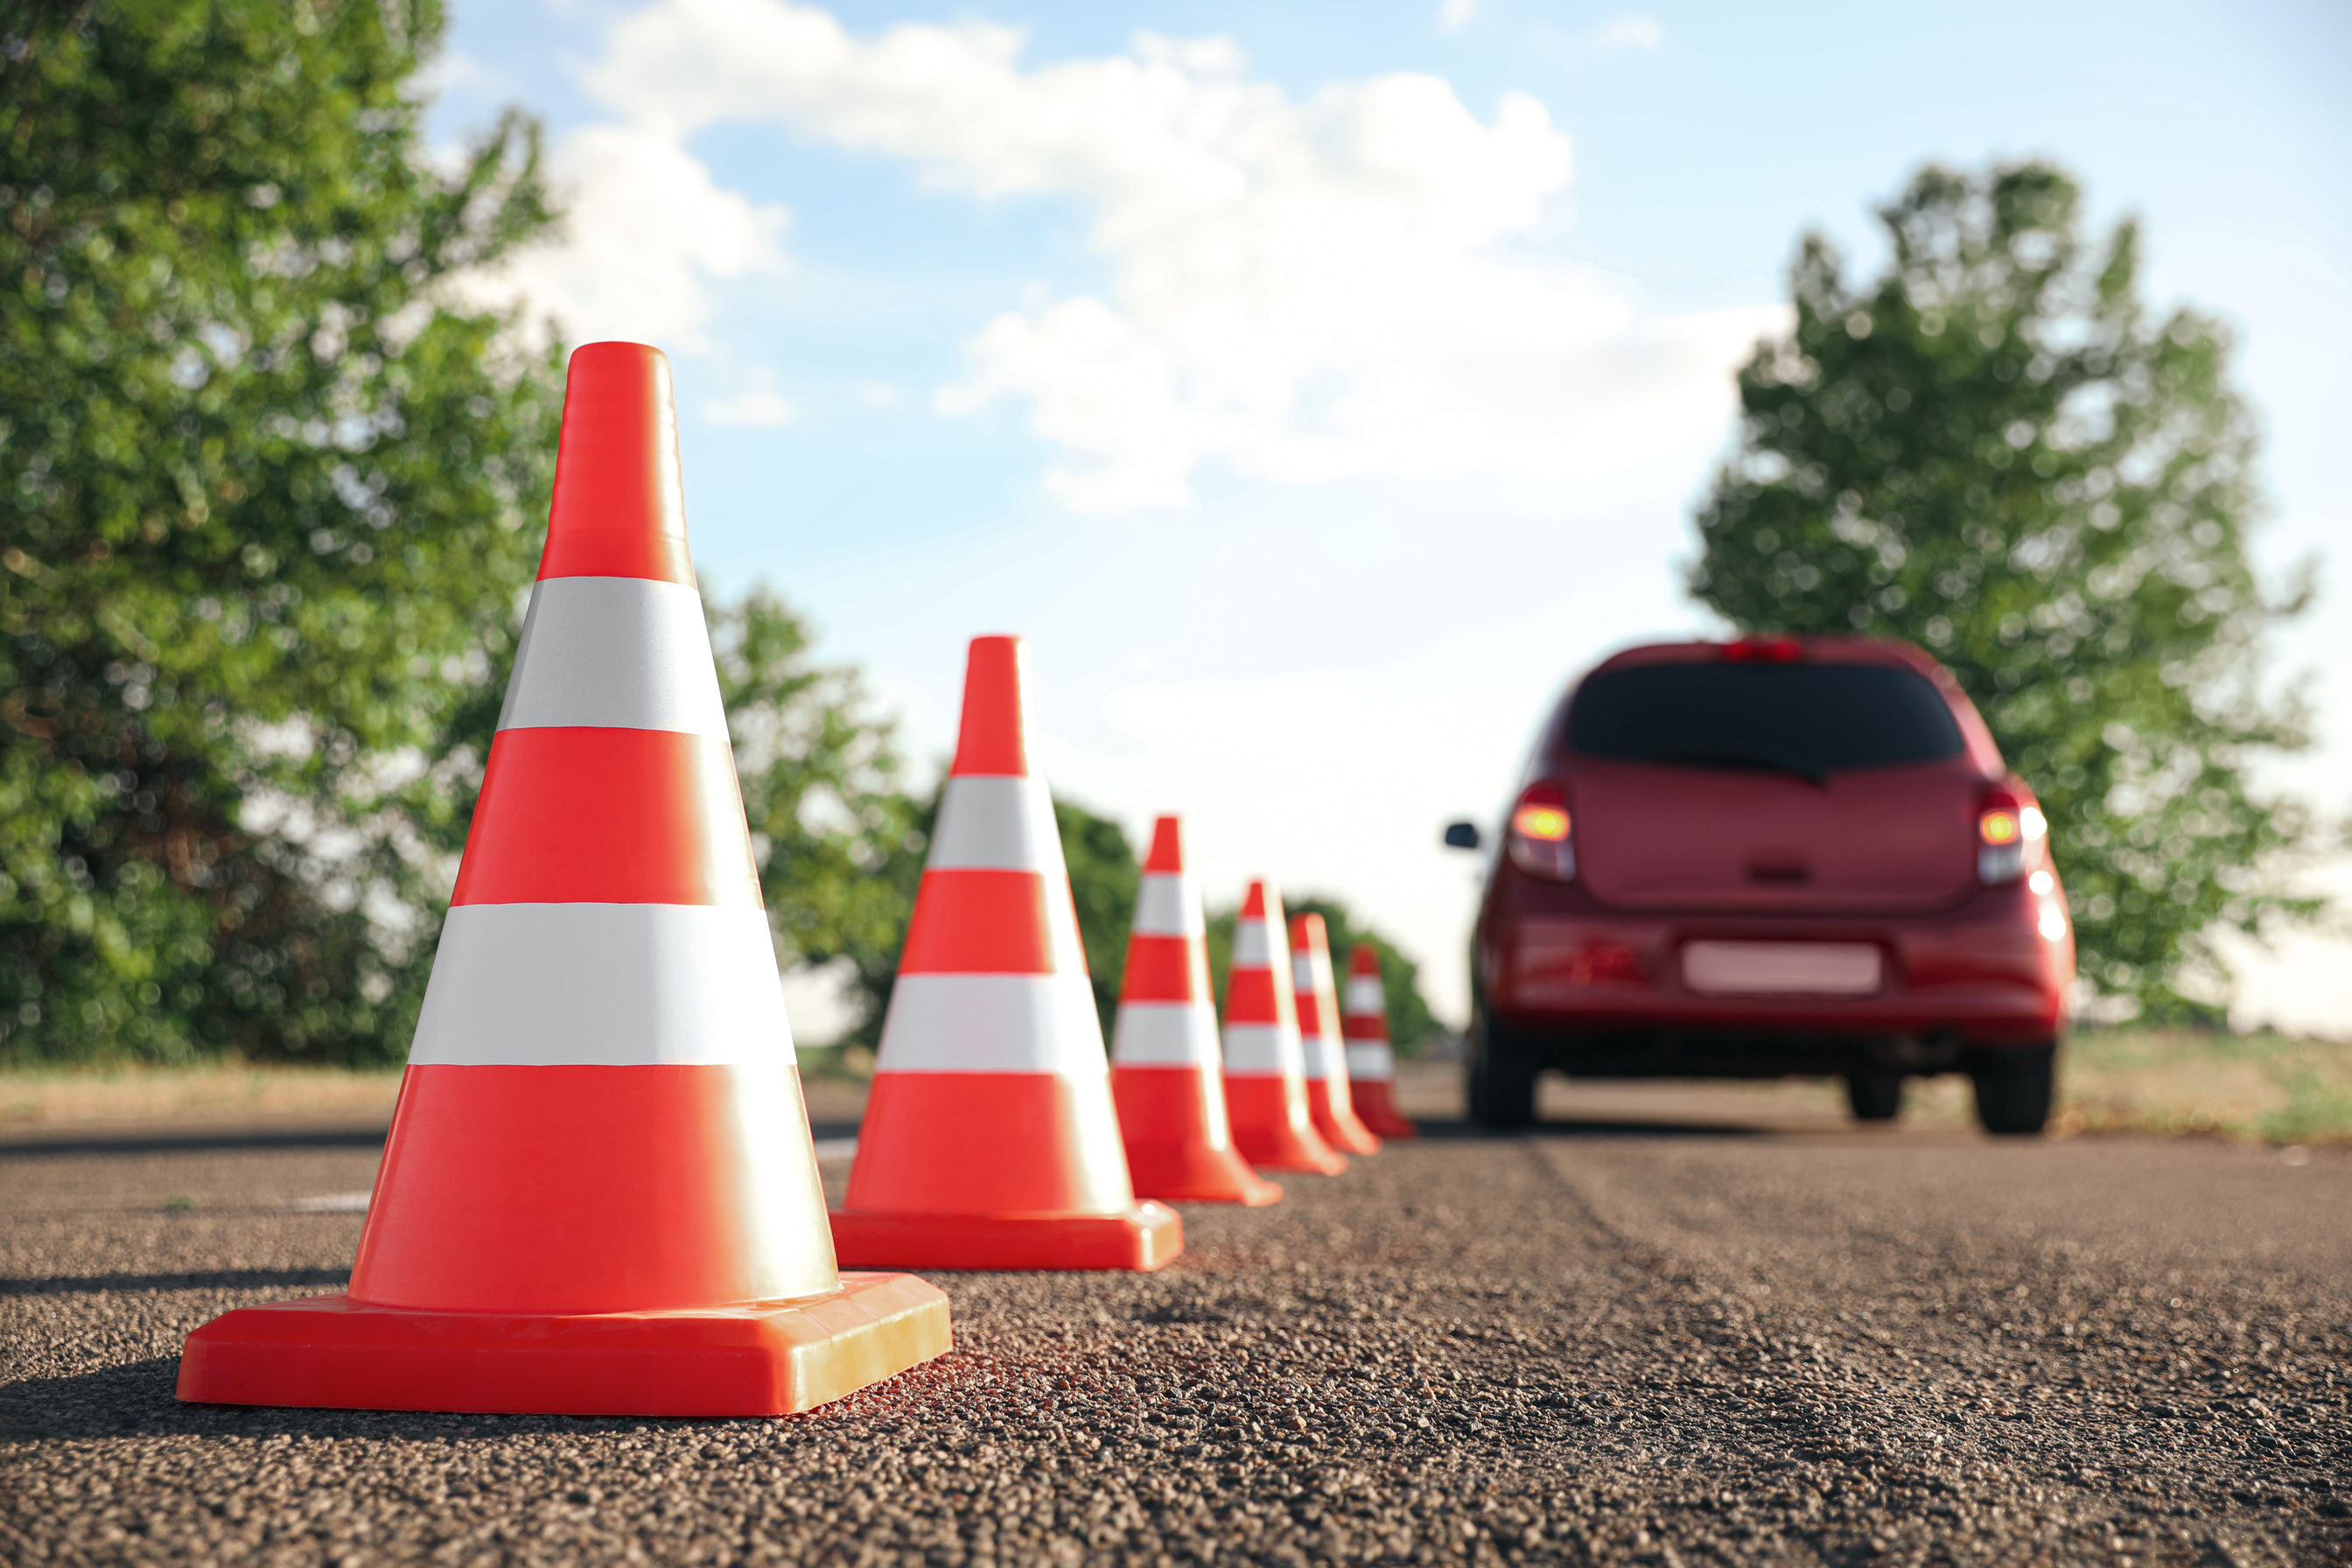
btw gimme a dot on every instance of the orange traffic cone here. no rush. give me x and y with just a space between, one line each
1318 1037
599 1196
1266 1080
989 1141
1371 1066
1164 1077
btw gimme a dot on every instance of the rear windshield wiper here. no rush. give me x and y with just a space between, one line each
1760 759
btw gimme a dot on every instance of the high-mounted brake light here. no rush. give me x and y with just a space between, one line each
2012 834
1763 650
1538 840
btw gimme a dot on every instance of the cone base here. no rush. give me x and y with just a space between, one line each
1376 1107
1177 1148
1145 1238
1267 1136
1340 1129
1182 1173
761 1358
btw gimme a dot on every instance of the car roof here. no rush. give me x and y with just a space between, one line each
1816 650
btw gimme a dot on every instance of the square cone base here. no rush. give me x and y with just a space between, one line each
1145 1238
759 1358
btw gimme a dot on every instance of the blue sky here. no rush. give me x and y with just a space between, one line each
1319 387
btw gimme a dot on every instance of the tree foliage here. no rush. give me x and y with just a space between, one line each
1995 450
838 843
267 507
1104 876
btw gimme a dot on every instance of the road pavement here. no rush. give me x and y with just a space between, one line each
1675 1326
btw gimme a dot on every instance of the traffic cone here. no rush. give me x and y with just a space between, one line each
599 1196
1318 1037
1164 1073
988 1140
1265 1078
1371 1066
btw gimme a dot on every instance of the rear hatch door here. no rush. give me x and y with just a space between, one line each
1880 840
1790 786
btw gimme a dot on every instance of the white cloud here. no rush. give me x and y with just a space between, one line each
1453 14
1621 33
1306 290
1572 51
646 232
758 405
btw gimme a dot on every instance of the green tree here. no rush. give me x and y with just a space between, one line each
269 500
839 844
1412 1028
1994 450
1104 876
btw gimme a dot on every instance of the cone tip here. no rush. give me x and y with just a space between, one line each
1167 857
619 504
1262 903
1307 933
993 738
1364 960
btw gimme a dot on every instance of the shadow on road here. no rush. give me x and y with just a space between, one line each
136 1400
224 1141
218 1280
1589 1128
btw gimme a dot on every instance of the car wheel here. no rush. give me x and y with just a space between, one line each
1875 1096
1499 1076
2014 1089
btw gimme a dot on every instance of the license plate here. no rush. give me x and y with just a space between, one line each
1783 968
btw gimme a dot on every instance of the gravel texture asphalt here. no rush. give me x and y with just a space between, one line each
1623 1340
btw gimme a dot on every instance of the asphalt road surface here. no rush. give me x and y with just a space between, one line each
1672 1331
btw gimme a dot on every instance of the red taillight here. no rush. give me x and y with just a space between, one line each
2010 831
1763 650
1548 823
1538 839
1605 964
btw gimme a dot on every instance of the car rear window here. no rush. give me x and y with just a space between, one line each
1805 717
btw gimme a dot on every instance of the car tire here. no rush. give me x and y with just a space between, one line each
2014 1089
1875 1096
1499 1076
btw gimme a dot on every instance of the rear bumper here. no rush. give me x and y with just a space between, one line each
1601 982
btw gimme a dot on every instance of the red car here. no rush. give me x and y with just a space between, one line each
1769 856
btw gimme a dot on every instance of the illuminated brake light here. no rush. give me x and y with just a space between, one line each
1546 822
2009 834
1538 840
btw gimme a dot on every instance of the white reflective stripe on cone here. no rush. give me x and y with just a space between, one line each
1261 1050
992 823
618 653
1168 905
1320 962
1164 1033
1368 1062
603 985
1364 998
1320 1053
992 1023
1252 948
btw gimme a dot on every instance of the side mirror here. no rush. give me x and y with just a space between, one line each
1462 835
